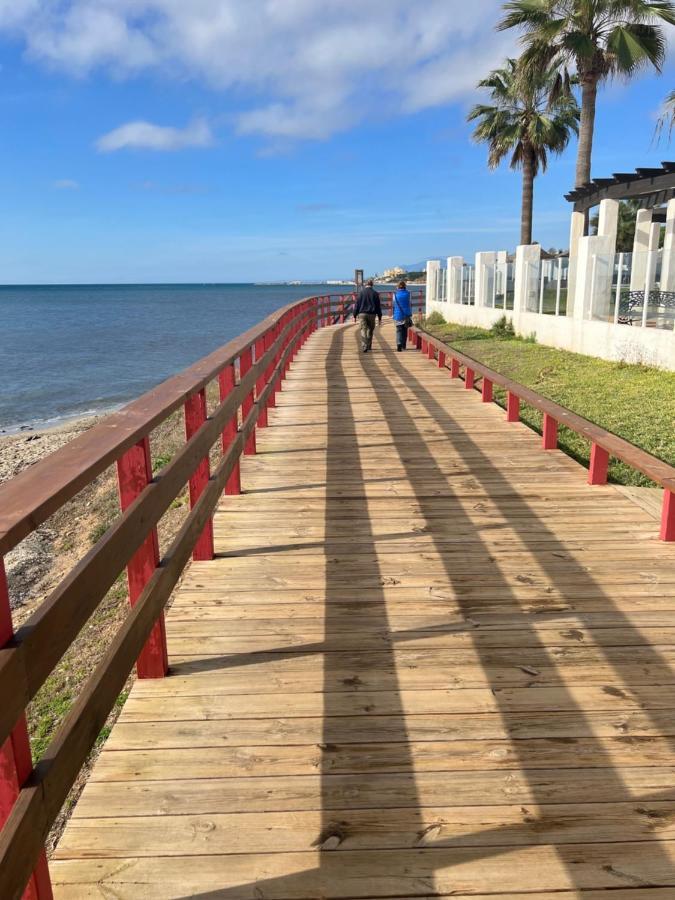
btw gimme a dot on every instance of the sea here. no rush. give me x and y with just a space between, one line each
72 351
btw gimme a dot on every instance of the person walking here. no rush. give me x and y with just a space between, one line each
402 315
367 308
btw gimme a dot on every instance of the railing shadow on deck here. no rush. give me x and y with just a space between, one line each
544 787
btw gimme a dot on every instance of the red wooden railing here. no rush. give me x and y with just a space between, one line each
603 443
32 796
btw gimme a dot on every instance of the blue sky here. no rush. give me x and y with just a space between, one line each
240 140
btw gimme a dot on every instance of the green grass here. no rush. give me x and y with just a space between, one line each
634 402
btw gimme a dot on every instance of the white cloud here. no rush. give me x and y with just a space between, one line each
307 68
145 135
65 184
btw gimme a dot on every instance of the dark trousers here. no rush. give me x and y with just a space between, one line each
401 335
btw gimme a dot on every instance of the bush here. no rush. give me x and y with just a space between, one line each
503 328
434 318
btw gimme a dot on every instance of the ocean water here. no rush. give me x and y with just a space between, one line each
67 351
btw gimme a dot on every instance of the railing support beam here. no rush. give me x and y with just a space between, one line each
454 368
512 407
486 391
245 363
441 359
226 382
469 378
597 473
16 763
668 516
195 416
134 473
549 437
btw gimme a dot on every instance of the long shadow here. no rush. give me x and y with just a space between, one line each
390 402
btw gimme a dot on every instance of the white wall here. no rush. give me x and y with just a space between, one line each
576 333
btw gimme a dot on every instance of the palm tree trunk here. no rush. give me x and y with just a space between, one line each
589 93
528 197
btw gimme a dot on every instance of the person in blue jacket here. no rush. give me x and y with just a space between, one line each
402 315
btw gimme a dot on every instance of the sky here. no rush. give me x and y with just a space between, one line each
260 140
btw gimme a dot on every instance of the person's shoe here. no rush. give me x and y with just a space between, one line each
365 350
399 349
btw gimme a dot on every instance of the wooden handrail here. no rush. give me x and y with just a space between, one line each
604 443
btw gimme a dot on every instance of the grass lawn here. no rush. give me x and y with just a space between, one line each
635 402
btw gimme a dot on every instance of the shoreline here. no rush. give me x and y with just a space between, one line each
20 449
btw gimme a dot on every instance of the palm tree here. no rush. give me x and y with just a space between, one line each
524 122
598 38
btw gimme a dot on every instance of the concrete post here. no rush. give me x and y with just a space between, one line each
668 263
577 225
643 229
593 286
454 276
528 260
485 273
608 221
433 266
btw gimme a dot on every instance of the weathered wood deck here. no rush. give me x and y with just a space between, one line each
428 660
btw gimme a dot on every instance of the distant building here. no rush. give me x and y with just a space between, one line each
396 272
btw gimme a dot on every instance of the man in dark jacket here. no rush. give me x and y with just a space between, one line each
367 308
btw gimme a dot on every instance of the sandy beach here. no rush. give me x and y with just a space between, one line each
23 448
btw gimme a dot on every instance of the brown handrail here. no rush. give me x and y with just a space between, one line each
603 443
28 657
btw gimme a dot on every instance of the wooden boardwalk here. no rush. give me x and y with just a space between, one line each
428 660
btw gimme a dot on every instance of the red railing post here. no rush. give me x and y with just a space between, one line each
549 433
16 763
260 383
454 368
134 473
245 363
342 310
226 382
441 359
486 390
668 516
424 345
469 377
195 416
273 335
597 472
431 350
512 407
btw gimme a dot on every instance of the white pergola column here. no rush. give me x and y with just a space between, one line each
433 266
641 245
668 262
454 276
528 261
577 225
608 221
485 262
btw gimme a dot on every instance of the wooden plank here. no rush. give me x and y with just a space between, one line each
386 873
209 796
370 727
403 755
293 832
195 699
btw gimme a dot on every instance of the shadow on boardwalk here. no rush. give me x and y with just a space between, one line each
436 865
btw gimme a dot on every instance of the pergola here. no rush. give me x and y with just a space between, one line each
651 187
